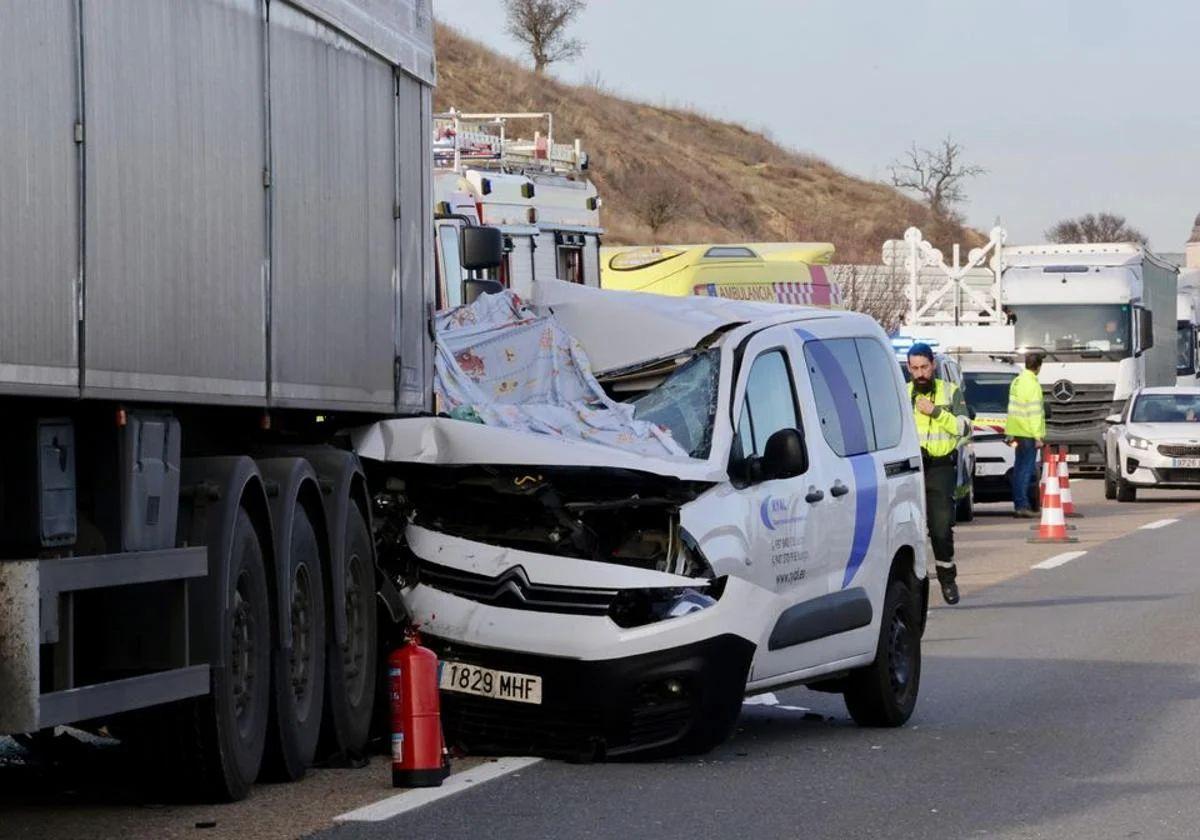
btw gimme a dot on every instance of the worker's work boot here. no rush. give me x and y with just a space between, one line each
949 587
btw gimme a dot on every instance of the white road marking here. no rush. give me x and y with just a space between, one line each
793 708
1161 523
393 806
1059 559
767 699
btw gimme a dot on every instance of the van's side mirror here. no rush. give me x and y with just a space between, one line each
473 287
1113 419
785 455
482 247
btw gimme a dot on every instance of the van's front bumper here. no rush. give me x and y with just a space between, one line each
606 689
593 709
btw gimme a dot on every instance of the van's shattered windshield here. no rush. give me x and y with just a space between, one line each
686 403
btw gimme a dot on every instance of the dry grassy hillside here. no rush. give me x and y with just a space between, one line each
727 184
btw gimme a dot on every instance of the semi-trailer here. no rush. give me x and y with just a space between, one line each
216 251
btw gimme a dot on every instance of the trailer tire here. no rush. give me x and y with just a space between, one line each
219 754
884 693
350 684
298 671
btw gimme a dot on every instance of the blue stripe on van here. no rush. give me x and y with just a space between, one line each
854 435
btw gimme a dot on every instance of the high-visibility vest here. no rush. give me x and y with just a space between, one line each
1026 414
939 435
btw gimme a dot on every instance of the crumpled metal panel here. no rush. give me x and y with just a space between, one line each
399 30
333 231
175 205
39 198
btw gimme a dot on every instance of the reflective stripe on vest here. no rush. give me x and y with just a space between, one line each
932 434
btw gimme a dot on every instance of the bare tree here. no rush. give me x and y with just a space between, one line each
1095 227
658 201
541 26
937 175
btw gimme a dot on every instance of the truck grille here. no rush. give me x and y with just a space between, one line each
1178 450
1088 407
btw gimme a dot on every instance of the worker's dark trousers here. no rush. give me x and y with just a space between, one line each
940 480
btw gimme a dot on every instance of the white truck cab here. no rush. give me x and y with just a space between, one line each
589 600
534 190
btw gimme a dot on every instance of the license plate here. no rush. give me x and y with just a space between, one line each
1186 463
1073 458
486 682
989 469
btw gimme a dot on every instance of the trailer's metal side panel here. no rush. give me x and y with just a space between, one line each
545 257
175 211
39 196
399 30
333 232
1159 287
416 270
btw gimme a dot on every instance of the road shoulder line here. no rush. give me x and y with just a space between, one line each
410 800
1058 560
1156 524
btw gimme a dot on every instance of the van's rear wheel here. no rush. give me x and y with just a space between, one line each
884 693
350 686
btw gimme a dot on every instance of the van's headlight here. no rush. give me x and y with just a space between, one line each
637 607
1137 442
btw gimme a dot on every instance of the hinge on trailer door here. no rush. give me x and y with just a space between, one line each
396 211
266 178
429 314
78 131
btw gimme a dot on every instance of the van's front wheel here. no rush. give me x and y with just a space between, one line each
884 693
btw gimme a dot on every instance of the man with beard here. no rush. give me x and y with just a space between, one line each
941 416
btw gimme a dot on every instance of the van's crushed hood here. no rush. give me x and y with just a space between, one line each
448 442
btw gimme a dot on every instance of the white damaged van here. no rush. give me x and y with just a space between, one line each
590 600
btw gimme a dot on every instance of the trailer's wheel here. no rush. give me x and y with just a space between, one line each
884 693
219 739
350 687
298 690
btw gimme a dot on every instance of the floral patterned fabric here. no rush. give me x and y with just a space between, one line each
499 361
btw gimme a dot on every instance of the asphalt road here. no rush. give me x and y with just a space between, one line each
1061 703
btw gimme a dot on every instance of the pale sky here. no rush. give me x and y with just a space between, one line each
1073 106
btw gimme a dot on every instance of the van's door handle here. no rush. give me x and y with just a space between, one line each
814 496
838 490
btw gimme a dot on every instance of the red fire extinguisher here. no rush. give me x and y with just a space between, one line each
418 753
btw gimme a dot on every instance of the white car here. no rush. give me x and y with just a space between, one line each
590 601
1154 443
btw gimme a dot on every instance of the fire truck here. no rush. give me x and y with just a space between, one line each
535 191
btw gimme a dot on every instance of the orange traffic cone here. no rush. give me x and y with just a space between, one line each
1053 528
1064 485
1047 457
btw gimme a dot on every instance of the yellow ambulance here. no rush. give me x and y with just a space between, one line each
773 272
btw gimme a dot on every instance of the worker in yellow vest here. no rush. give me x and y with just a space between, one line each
941 415
1025 430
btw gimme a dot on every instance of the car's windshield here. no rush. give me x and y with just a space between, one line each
1166 408
1060 328
987 391
685 403
1185 349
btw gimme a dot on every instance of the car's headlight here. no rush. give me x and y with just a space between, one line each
1137 442
636 607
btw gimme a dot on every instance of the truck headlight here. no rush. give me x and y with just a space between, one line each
1137 442
637 607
